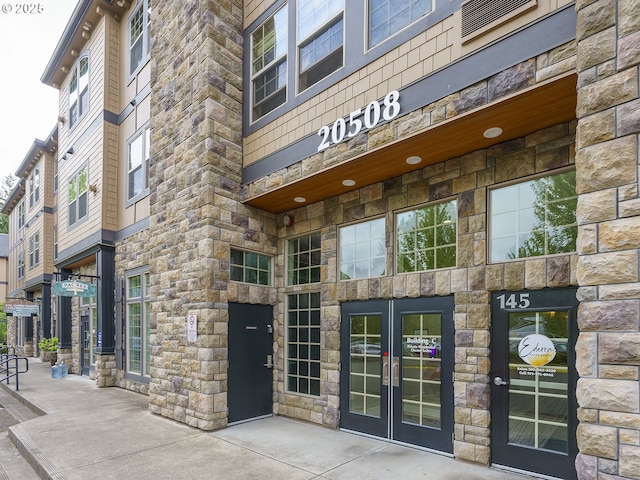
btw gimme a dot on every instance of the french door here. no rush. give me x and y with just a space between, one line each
533 403
397 364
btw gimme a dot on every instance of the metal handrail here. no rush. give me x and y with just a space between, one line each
7 371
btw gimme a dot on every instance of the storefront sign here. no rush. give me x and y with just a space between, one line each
24 308
420 345
192 327
536 350
74 288
362 118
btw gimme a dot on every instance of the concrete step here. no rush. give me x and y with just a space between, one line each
13 466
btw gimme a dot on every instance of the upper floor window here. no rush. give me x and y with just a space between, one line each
55 241
320 40
387 17
427 238
304 257
79 91
363 250
21 214
21 265
55 175
34 250
250 267
269 64
139 24
34 187
78 197
534 218
138 164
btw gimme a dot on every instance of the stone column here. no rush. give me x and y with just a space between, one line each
608 349
195 174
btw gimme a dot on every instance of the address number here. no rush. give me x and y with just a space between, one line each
514 300
367 117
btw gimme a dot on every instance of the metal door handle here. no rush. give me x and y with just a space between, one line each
269 363
499 381
385 370
396 372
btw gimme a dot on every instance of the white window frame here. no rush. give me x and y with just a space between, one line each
21 214
143 138
82 196
21 264
143 37
34 187
356 243
143 303
79 91
34 250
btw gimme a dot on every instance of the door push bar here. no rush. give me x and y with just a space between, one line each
395 371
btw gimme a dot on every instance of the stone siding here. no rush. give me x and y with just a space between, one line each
608 350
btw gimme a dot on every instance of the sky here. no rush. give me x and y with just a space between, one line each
29 107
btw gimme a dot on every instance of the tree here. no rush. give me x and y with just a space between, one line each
6 187
3 325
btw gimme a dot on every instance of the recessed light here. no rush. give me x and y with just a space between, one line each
413 160
348 183
492 132
300 199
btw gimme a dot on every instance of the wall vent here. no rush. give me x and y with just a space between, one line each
483 15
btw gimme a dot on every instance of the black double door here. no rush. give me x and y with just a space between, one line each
397 364
250 373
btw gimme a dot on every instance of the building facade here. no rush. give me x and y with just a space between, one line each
411 220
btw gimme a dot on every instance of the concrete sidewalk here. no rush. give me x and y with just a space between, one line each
109 433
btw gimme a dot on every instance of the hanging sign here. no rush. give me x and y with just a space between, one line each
21 308
74 288
192 327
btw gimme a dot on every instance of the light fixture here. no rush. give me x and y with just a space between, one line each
413 160
87 26
492 132
299 199
348 183
287 220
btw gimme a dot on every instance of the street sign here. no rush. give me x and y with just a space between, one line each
74 288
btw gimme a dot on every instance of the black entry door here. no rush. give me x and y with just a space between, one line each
397 364
533 404
250 373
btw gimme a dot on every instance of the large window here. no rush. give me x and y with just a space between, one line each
269 64
21 265
320 40
363 250
303 343
534 218
138 324
21 213
34 187
34 250
78 197
79 91
250 267
427 238
387 17
138 164
304 256
139 27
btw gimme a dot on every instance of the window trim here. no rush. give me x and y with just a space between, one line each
21 265
146 40
21 213
308 234
143 300
78 220
76 71
144 166
339 245
367 30
34 250
244 266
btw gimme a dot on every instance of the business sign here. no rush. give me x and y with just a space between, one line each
536 350
74 288
21 308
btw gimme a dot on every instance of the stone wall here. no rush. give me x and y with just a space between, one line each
608 350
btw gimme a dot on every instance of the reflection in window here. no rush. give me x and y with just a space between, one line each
534 218
365 372
427 238
304 257
139 27
303 343
250 267
79 91
138 164
138 324
387 17
362 250
320 40
77 199
269 64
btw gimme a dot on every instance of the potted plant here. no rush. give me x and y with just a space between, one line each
49 349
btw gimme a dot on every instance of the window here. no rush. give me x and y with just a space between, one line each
34 250
387 17
269 64
426 238
55 241
78 197
534 218
320 40
250 267
138 166
34 187
79 91
21 265
21 214
304 260
363 250
55 175
303 343
139 27
89 339
138 324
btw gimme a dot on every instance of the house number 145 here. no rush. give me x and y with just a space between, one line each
367 117
514 300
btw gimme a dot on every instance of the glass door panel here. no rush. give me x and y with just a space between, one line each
365 364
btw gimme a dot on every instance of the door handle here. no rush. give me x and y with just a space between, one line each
269 363
385 370
396 372
499 381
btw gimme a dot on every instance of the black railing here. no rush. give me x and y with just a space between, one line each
10 365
